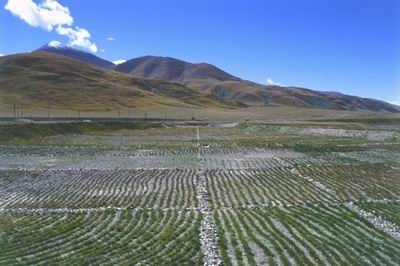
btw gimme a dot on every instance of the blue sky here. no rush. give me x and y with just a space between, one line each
338 45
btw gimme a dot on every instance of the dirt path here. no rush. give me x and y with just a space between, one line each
208 232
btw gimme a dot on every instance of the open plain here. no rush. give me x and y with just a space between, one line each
200 193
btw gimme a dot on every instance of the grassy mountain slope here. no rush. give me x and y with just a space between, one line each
38 78
210 79
173 70
255 94
76 54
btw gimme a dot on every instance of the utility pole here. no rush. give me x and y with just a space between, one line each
79 114
15 111
48 109
18 110
119 114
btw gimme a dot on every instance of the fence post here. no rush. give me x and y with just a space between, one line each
48 109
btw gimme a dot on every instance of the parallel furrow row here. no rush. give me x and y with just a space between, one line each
136 188
313 235
275 186
124 237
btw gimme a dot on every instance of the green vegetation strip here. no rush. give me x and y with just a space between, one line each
302 235
112 237
40 130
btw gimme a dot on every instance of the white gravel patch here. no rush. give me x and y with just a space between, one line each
380 223
208 231
344 133
313 181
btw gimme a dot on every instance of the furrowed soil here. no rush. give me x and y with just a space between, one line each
312 193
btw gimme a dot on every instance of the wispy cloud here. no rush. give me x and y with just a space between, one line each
55 44
396 102
51 15
110 39
78 37
118 62
271 82
1 55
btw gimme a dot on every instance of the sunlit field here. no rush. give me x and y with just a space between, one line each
302 193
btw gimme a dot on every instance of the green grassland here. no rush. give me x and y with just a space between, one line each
124 237
130 192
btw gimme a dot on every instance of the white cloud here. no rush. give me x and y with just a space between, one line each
118 62
110 39
46 15
271 82
396 102
55 44
102 50
50 15
78 37
1 55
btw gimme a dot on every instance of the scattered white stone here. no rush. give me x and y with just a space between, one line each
208 232
313 181
386 226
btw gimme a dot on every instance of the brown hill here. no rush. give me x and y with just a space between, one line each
37 78
40 77
210 79
254 94
173 70
76 54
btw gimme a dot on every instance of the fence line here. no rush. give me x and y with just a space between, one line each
18 112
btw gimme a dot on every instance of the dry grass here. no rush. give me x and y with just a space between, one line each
272 114
36 79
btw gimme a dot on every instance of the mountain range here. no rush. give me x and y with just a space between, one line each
36 79
173 81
